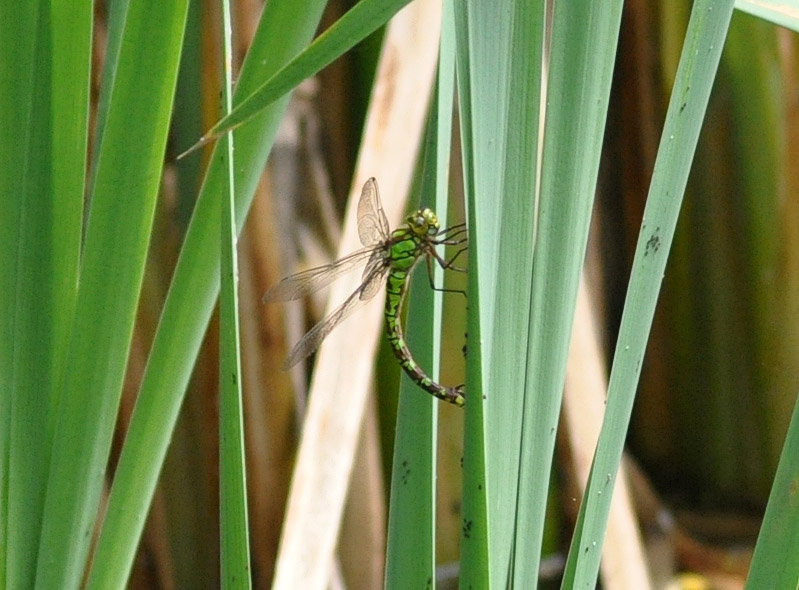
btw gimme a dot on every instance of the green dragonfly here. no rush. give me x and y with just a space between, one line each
386 254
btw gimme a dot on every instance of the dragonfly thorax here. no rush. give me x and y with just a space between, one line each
423 222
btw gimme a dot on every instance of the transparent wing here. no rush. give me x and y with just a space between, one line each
377 260
372 223
313 338
379 266
309 281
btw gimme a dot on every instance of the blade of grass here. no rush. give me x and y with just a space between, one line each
624 563
71 25
468 30
362 20
443 105
18 32
775 563
410 551
187 121
115 23
707 30
583 50
516 542
782 12
43 114
29 346
233 521
117 236
24 141
500 100
285 27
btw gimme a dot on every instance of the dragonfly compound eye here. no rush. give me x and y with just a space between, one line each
418 222
431 220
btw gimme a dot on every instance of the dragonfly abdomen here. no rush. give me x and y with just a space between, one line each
395 292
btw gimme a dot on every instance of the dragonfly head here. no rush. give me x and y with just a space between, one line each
423 222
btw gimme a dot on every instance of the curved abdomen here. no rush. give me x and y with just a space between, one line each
395 293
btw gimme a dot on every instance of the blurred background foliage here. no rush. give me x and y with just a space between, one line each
720 375
721 370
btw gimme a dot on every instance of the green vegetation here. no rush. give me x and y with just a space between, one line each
114 255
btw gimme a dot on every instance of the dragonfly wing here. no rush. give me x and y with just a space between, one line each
371 284
309 281
320 331
377 260
372 223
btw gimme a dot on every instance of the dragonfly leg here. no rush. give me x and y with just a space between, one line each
457 237
455 234
453 229
447 264
442 262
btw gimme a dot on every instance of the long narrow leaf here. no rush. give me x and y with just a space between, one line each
27 345
410 551
234 540
704 40
775 563
583 50
362 20
43 120
71 25
191 298
781 12
511 535
117 236
475 74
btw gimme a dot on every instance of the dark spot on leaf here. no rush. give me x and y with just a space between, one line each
467 528
653 243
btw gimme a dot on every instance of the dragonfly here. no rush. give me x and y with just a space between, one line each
390 256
